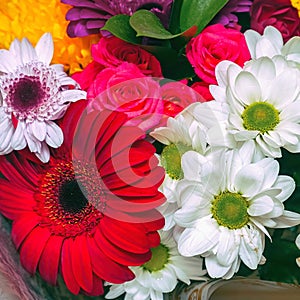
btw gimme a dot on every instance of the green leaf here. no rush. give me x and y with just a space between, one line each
199 12
174 24
147 24
119 26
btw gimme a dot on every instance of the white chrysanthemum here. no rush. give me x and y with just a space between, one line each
226 201
33 94
298 245
259 103
161 274
271 44
181 134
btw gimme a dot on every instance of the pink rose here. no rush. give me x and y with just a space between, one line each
177 96
111 52
202 88
214 44
127 89
86 77
278 13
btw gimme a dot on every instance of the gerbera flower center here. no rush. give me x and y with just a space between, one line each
71 197
260 116
70 204
31 92
296 4
230 210
160 257
171 159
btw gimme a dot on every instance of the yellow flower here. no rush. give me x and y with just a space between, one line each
32 18
296 4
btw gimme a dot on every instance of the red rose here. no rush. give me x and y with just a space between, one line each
202 89
278 13
111 52
214 44
127 90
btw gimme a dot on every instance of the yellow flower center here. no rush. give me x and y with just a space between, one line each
160 257
296 4
230 210
171 159
260 116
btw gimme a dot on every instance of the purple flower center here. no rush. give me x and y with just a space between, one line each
26 93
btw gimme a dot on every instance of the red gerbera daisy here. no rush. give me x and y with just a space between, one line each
90 212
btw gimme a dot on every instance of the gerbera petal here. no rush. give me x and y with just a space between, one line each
81 263
18 141
44 153
50 258
53 135
22 227
45 48
106 268
27 51
7 62
66 267
38 129
32 248
97 287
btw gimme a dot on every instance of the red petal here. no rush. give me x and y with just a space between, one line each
22 227
97 287
81 263
119 255
50 258
106 268
153 238
128 236
33 247
66 267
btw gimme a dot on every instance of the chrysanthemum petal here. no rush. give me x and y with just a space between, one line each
214 268
287 186
260 206
288 219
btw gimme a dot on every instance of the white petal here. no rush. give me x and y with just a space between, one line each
214 268
268 150
245 135
195 241
18 141
7 61
228 246
260 206
221 72
274 35
252 38
115 291
265 47
263 69
6 134
271 169
249 180
73 96
298 241
288 219
284 89
44 153
251 247
287 186
45 48
38 129
247 88
28 52
191 162
54 137
277 210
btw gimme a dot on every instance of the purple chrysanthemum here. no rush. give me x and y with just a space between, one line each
89 16
226 15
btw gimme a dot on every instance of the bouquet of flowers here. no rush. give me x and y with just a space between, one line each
147 145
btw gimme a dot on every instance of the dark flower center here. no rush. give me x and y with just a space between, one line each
71 197
26 93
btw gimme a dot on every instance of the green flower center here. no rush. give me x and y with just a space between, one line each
260 116
160 257
230 210
171 159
